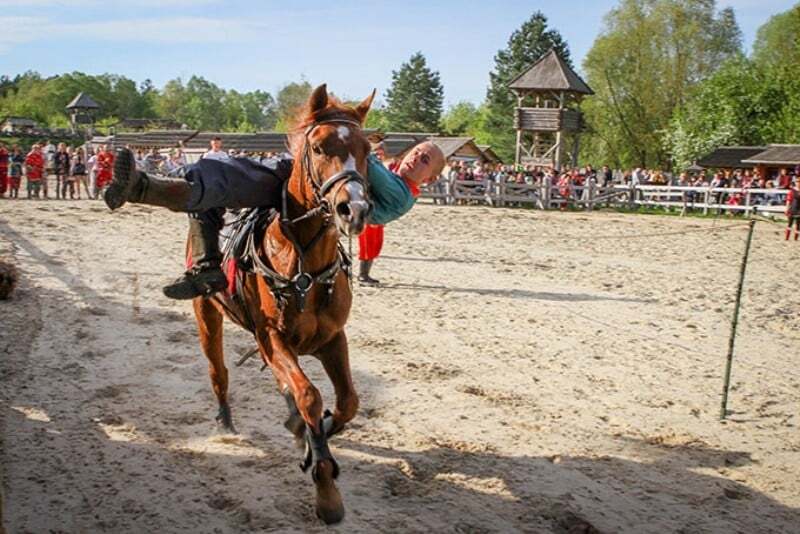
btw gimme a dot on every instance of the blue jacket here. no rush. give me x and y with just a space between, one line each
389 192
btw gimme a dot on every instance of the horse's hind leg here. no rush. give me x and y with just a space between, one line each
209 326
336 361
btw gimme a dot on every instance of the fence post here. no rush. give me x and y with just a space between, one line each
590 197
706 198
448 199
632 196
747 211
548 190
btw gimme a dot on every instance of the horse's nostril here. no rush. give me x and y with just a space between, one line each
343 209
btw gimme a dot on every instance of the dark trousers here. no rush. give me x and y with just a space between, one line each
237 183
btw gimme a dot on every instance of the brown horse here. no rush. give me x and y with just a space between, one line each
298 300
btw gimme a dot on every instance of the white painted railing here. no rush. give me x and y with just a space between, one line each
548 196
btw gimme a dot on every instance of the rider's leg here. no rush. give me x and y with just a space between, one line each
205 276
207 184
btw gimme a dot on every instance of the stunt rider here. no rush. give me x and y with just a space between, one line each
212 184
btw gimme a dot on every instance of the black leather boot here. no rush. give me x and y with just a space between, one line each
132 185
363 274
205 277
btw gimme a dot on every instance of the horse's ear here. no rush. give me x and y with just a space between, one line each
318 99
363 108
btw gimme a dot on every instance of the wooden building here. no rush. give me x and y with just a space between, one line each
18 125
547 119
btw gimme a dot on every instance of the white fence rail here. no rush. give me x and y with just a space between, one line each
548 196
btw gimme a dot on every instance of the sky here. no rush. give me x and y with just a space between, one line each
353 46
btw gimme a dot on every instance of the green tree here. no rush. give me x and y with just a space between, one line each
289 100
460 119
526 45
778 40
643 66
414 100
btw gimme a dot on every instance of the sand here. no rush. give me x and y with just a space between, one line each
514 376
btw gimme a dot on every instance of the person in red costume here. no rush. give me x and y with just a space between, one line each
370 241
105 167
793 210
34 170
3 170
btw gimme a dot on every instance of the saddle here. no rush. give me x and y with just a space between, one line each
242 232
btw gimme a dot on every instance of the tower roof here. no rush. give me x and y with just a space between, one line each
83 101
550 72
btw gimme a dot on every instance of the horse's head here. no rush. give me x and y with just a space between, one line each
332 149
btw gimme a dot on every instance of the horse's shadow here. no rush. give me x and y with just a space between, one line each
477 489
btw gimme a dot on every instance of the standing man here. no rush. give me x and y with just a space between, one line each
34 169
216 151
793 209
105 167
49 155
61 165
3 170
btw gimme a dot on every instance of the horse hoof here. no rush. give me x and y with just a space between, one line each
329 507
225 420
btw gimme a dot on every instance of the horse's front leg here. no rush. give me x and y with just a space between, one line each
209 326
308 401
336 361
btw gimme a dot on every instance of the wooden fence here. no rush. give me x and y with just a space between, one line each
547 196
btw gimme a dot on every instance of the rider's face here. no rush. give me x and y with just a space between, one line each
422 164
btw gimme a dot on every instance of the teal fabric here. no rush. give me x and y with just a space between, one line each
389 192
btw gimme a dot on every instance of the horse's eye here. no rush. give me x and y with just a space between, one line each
317 149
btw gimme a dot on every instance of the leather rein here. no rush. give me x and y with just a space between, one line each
300 285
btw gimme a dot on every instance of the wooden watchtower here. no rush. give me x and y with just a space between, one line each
547 118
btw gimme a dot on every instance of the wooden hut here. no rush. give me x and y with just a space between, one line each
773 158
547 118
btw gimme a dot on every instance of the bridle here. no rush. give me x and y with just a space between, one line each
303 281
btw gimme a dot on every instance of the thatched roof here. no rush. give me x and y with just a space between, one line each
83 101
729 157
776 155
550 73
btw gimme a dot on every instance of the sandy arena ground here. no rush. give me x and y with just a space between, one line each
513 377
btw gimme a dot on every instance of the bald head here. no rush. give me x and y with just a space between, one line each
422 164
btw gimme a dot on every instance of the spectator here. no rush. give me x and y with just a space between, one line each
61 169
3 170
15 162
78 172
105 167
49 153
91 170
784 179
793 210
34 170
607 176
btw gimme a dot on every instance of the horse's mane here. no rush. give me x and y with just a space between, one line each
335 109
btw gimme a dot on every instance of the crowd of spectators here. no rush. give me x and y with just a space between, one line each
46 170
483 177
57 171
